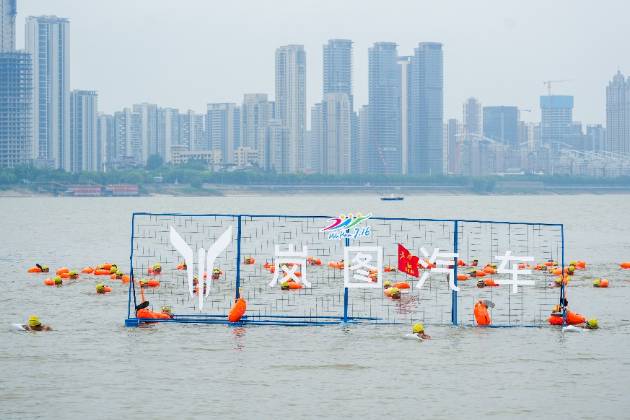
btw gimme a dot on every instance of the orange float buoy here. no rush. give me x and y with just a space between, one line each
490 282
150 283
238 310
402 285
600 283
479 273
625 265
49 282
461 263
250 260
482 316
62 270
572 318
581 265
101 272
125 278
489 270
87 270
462 277
35 269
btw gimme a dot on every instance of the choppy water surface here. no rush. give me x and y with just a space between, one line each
94 367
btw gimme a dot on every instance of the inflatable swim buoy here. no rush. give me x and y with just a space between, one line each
572 318
250 260
625 265
62 270
402 285
482 316
490 282
49 282
462 277
87 270
149 283
238 310
600 283
35 269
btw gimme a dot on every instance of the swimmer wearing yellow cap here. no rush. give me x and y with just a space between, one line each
418 330
34 324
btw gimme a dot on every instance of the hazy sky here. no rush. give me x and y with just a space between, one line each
186 53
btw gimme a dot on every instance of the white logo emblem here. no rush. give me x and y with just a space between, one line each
206 260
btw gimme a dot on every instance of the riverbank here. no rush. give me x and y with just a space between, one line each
214 190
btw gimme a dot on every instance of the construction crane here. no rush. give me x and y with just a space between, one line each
549 82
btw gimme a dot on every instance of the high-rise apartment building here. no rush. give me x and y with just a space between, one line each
223 126
618 115
338 67
85 151
8 11
191 132
472 118
500 123
335 136
452 143
16 108
167 132
105 133
384 133
128 138
256 112
291 101
556 120
426 110
148 129
276 151
48 41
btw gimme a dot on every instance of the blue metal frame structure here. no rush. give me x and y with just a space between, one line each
319 320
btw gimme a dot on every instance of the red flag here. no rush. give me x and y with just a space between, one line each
407 263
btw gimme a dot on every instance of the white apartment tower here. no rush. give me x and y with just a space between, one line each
291 102
48 41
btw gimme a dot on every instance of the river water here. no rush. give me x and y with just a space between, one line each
91 366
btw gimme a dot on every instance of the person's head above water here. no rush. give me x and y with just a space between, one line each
418 328
34 322
167 309
592 324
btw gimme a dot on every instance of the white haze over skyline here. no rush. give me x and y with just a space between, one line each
186 53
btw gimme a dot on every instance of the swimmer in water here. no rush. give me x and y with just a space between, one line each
168 311
591 324
34 324
418 331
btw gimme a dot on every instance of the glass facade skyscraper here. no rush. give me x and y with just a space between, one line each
48 41
16 107
291 104
384 132
500 123
426 110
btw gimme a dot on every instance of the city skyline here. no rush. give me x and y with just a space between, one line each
511 75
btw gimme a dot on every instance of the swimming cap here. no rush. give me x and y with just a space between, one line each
100 288
58 281
167 309
33 321
592 324
418 328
